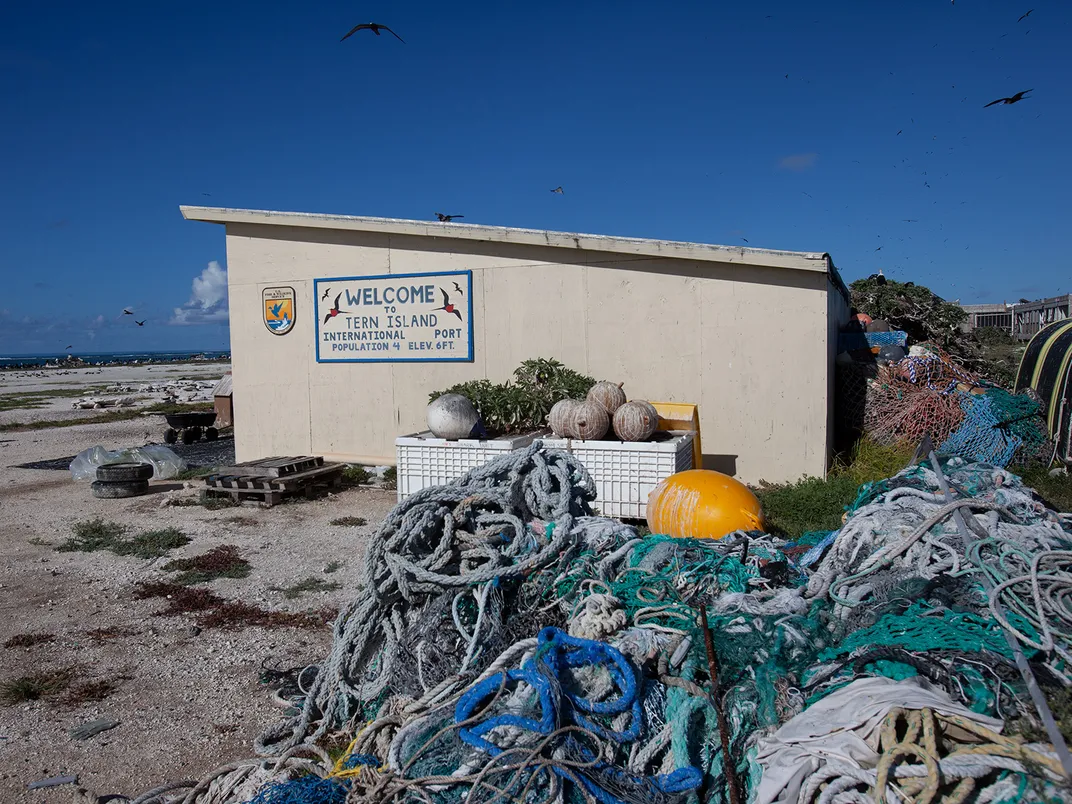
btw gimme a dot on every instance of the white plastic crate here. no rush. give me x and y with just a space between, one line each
424 460
626 472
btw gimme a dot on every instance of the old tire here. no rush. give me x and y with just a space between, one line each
190 435
171 436
124 472
211 434
115 491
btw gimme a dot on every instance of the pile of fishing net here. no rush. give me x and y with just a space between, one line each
508 646
929 393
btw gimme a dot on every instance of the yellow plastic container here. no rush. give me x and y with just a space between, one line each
702 504
679 416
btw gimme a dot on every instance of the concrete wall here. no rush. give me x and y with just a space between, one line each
749 345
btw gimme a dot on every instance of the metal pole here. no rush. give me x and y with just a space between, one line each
716 700
1037 697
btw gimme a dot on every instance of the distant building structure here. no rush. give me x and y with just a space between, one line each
1022 320
998 316
1031 317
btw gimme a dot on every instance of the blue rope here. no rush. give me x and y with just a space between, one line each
303 790
557 651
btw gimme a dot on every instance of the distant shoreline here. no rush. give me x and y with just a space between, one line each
53 361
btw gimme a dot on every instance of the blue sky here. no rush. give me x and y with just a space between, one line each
672 122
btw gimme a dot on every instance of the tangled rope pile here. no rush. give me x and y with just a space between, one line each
929 393
508 646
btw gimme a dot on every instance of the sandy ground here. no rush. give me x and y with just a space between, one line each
186 700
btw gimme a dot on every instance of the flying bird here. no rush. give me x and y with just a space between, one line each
140 323
879 248
1025 15
325 296
447 306
127 311
457 287
558 190
898 134
375 27
447 218
70 346
1019 96
745 239
334 311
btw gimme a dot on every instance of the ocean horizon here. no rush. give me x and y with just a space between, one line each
97 358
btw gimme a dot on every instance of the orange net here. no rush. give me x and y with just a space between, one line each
898 411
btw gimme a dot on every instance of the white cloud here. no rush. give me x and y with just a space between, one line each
208 299
798 162
97 322
185 316
210 288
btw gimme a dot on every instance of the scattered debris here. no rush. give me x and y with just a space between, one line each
164 463
93 728
53 781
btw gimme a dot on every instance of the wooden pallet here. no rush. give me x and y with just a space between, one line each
273 467
268 491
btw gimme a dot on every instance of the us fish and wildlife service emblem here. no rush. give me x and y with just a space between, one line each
278 309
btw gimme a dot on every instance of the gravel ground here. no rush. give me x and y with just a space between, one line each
186 701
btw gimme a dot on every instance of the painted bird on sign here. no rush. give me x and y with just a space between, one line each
325 296
276 308
447 306
334 311
458 288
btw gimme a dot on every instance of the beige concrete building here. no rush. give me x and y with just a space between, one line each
341 326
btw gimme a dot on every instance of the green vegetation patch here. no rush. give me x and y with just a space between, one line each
219 562
298 589
92 535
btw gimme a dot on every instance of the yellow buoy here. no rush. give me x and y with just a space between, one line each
702 504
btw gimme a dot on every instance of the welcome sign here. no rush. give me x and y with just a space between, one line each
394 318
